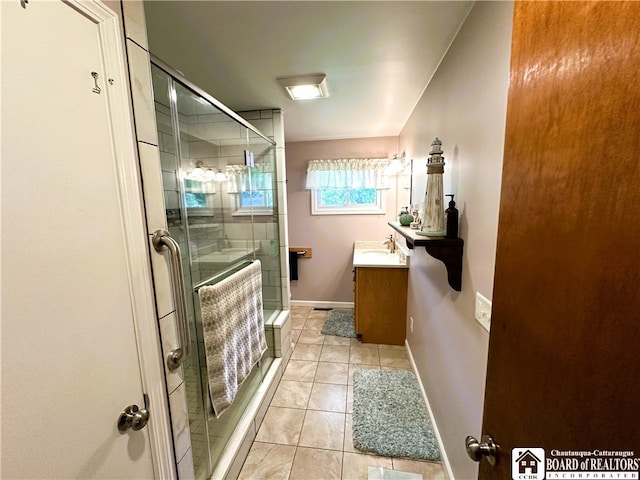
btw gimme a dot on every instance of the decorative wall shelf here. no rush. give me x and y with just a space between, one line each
447 250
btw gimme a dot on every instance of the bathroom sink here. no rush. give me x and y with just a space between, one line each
375 254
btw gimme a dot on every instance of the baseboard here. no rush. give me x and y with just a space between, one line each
320 304
445 459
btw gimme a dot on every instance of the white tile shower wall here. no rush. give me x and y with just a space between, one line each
156 218
135 23
282 336
179 420
142 93
185 467
169 340
211 117
163 119
214 131
283 222
264 125
199 150
167 160
152 186
148 143
233 152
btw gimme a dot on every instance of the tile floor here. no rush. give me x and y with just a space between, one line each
306 433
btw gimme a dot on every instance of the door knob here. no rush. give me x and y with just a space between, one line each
488 448
132 417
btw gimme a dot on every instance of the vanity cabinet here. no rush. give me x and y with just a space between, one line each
381 304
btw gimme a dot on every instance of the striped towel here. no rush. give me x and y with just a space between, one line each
234 338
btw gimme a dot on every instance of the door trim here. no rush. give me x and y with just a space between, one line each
135 234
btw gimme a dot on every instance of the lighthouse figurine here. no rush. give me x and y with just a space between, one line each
433 224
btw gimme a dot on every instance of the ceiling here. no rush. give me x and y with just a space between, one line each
378 57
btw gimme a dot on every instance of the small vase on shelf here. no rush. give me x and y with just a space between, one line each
405 217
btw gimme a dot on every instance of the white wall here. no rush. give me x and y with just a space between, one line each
465 106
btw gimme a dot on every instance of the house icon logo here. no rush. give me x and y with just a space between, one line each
527 464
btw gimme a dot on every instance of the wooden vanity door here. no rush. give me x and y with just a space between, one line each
381 305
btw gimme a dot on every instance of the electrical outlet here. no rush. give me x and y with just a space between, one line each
483 311
411 324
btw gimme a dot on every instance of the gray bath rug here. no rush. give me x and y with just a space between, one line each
339 323
390 417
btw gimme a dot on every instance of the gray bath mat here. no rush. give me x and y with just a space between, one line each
390 417
339 323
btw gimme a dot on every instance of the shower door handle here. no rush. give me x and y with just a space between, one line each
162 239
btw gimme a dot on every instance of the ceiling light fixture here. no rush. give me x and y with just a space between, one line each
305 87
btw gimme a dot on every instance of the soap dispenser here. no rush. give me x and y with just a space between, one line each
451 219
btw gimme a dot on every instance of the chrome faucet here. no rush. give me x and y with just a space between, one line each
390 242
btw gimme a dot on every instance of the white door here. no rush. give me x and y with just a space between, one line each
69 355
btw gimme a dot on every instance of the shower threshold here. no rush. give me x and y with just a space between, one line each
237 448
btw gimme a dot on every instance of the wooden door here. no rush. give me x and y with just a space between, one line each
564 353
70 362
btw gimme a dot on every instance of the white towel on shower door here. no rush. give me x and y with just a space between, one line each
234 339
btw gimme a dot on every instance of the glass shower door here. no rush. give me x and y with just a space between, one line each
175 208
212 211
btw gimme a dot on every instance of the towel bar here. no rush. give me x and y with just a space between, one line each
222 275
302 252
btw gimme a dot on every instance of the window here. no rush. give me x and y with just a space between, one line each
344 201
259 203
253 189
256 199
347 187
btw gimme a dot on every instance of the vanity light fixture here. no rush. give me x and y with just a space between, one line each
220 177
204 173
397 165
305 87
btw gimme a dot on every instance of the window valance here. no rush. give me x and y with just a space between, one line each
347 173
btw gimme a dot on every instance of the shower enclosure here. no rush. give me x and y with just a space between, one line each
221 202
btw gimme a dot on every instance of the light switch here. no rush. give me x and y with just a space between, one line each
483 311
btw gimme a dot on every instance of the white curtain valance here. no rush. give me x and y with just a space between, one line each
239 179
347 173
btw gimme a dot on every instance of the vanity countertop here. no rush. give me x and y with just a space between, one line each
376 254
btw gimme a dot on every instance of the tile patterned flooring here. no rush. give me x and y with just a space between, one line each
306 433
